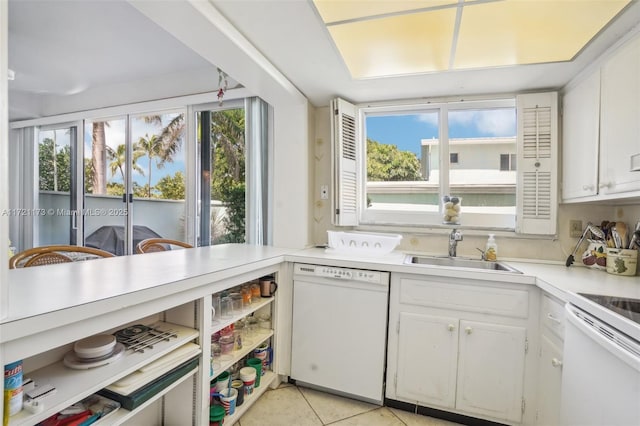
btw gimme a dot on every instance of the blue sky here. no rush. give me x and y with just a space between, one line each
406 131
115 135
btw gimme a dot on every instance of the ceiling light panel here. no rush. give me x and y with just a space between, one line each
515 32
343 10
404 44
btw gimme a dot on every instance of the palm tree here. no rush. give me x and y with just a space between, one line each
152 146
118 159
98 157
171 135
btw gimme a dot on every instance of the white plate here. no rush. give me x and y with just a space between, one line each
72 360
95 346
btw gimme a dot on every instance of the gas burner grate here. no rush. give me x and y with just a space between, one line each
140 337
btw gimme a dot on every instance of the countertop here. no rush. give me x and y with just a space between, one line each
108 284
556 279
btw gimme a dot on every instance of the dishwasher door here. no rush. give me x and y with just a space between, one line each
339 331
600 373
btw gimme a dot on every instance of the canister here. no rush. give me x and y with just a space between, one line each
622 261
12 390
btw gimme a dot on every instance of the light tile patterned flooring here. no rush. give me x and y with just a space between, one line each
297 406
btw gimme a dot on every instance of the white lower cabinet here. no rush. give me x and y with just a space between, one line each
550 361
471 363
491 370
427 359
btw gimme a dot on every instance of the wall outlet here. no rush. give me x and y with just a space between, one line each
575 228
324 192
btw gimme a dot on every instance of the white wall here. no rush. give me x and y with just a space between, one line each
201 27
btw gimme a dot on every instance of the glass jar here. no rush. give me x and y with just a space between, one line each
227 344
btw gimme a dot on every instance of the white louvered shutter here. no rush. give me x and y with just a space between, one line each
537 192
344 162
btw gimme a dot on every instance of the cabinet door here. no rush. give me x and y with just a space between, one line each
620 125
549 383
491 370
580 136
427 357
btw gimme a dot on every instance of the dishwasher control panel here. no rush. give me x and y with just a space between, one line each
340 273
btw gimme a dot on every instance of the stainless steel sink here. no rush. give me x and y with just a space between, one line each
458 262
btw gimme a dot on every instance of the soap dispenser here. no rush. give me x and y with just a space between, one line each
491 250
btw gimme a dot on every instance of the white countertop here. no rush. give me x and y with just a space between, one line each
109 284
114 283
555 278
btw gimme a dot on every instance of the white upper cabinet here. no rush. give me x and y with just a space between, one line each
601 129
581 128
620 115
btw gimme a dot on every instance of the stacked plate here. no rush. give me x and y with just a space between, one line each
94 351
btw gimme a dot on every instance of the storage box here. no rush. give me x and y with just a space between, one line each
363 243
622 261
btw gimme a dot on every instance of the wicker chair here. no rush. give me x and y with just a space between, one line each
49 255
151 245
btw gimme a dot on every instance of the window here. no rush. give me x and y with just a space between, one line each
507 162
146 171
407 158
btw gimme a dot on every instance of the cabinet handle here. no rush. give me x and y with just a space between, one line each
605 185
556 362
451 327
554 319
468 330
587 187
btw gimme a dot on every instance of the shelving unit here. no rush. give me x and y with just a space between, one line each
66 380
259 336
173 288
237 355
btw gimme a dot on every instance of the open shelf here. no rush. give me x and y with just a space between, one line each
229 359
265 382
122 415
68 381
218 325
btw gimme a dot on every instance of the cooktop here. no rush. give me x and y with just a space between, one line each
629 308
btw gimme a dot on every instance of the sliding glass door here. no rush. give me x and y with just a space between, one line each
134 180
54 218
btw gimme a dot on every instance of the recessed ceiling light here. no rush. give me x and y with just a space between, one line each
386 38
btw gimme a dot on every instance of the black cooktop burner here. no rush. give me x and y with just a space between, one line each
628 308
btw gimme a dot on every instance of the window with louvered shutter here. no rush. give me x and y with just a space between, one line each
344 157
537 163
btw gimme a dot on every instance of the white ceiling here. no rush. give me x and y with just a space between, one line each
71 47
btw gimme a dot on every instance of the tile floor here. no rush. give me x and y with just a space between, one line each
289 405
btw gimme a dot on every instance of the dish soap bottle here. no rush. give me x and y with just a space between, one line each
491 250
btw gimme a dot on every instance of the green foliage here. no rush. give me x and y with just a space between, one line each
55 171
228 170
171 187
228 162
387 163
115 188
234 198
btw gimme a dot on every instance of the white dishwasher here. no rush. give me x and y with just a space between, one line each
339 330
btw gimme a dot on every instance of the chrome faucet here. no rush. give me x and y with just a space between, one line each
454 237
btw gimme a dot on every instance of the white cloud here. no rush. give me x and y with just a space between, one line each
498 122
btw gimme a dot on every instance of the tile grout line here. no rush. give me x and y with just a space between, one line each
310 406
396 416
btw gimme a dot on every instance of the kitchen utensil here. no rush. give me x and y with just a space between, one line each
635 240
595 231
621 229
617 241
635 236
